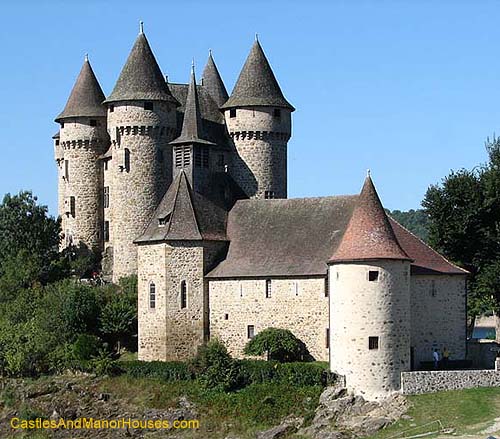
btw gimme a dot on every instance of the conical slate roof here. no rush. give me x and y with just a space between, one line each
369 234
213 82
257 85
86 97
192 125
141 77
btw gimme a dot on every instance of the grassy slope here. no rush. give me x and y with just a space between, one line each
468 411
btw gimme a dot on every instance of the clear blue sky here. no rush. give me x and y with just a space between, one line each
409 89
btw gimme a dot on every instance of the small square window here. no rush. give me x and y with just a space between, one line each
232 112
250 331
57 142
148 106
93 122
373 275
372 343
277 113
111 108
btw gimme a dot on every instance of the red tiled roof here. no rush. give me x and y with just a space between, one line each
369 234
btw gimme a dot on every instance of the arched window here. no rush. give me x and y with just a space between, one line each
152 295
183 294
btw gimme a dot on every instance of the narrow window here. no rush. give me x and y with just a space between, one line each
269 195
296 288
186 156
111 108
152 295
205 153
105 196
72 206
268 288
250 331
105 165
197 157
178 157
62 124
232 112
148 106
337 275
327 341
373 275
126 159
433 288
226 316
372 343
57 142
66 170
183 294
93 122
277 113
327 286
106 231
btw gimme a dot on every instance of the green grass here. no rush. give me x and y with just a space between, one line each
254 408
467 411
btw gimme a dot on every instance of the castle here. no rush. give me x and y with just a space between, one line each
186 187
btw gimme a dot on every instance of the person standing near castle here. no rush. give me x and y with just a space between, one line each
446 357
435 355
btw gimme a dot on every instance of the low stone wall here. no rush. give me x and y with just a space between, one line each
413 383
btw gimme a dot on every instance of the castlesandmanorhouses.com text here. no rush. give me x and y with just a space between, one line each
97 424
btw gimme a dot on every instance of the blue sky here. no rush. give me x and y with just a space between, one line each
409 89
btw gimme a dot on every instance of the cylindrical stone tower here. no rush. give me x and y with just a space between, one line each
370 302
141 122
258 118
82 139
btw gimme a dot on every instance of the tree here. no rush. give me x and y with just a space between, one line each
119 319
416 221
464 225
278 344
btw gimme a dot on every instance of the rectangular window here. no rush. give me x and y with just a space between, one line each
57 142
250 331
126 159
106 231
111 108
268 195
183 294
62 124
66 170
373 275
148 106
201 157
327 341
105 197
105 165
433 288
226 316
182 156
93 122
268 288
277 113
72 206
327 286
152 295
372 343
232 112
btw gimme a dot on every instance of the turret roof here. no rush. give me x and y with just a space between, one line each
257 85
192 125
213 82
141 77
369 234
86 96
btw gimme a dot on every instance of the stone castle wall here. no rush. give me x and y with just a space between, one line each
141 169
359 309
438 316
82 144
297 304
260 140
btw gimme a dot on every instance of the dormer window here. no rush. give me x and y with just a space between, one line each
93 122
277 113
148 106
232 112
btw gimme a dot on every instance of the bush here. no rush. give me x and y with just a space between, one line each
279 344
214 367
86 347
166 371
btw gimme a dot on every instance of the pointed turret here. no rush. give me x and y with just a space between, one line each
257 85
86 97
141 77
192 126
369 235
213 82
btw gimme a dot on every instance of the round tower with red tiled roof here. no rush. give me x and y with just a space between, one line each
369 277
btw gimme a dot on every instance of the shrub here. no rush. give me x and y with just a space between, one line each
86 347
279 344
214 367
166 371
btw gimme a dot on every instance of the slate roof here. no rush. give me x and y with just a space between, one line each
192 125
86 96
186 215
296 237
257 85
369 234
141 77
213 82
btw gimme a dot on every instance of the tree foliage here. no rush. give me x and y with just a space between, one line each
416 221
278 344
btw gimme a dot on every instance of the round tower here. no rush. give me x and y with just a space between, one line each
258 118
370 302
82 139
141 122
